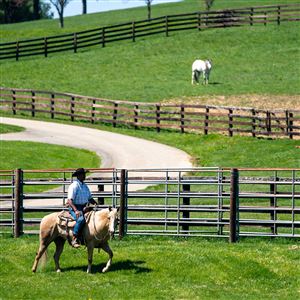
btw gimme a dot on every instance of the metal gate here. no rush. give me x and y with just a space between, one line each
212 202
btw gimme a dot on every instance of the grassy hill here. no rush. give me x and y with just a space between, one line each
247 60
42 28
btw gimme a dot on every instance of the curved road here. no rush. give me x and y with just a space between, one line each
116 150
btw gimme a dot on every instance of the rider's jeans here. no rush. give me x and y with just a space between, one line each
79 221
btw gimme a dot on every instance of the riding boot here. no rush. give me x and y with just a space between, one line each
74 242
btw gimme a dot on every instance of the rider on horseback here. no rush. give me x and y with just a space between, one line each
79 196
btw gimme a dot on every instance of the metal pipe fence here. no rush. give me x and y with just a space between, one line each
210 202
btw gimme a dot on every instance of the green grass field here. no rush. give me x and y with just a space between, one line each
159 68
156 268
5 128
27 155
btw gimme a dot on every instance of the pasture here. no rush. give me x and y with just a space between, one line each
249 63
244 63
156 268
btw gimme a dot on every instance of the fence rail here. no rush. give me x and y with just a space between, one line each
211 202
162 25
180 117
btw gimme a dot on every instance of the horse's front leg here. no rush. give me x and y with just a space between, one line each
59 242
107 249
90 259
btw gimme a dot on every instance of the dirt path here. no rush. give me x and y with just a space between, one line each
116 150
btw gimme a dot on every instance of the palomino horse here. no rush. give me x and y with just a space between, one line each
100 226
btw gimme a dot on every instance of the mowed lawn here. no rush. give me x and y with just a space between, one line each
156 268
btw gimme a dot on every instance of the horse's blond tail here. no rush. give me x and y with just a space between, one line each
43 259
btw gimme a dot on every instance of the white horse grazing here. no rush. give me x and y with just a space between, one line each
201 67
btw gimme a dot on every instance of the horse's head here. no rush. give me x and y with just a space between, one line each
113 220
208 64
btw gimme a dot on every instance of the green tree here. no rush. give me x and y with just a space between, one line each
13 11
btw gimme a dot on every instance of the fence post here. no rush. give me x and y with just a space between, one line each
100 189
45 47
136 113
52 106
265 19
103 37
206 121
72 108
18 211
157 117
167 26
291 123
251 17
234 206
32 103
133 31
93 111
278 15
186 201
182 118
75 42
17 51
199 21
230 122
253 123
115 114
268 122
123 204
14 103
273 204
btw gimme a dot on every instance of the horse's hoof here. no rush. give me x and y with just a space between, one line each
104 270
58 270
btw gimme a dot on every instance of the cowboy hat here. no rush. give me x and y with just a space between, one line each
79 171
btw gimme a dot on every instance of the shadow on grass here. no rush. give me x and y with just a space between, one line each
215 83
125 265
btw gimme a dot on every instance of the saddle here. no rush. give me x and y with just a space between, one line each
65 220
65 223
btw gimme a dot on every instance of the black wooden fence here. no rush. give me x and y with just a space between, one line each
181 117
210 202
162 25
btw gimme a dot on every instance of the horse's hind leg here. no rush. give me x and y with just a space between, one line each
107 249
59 242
